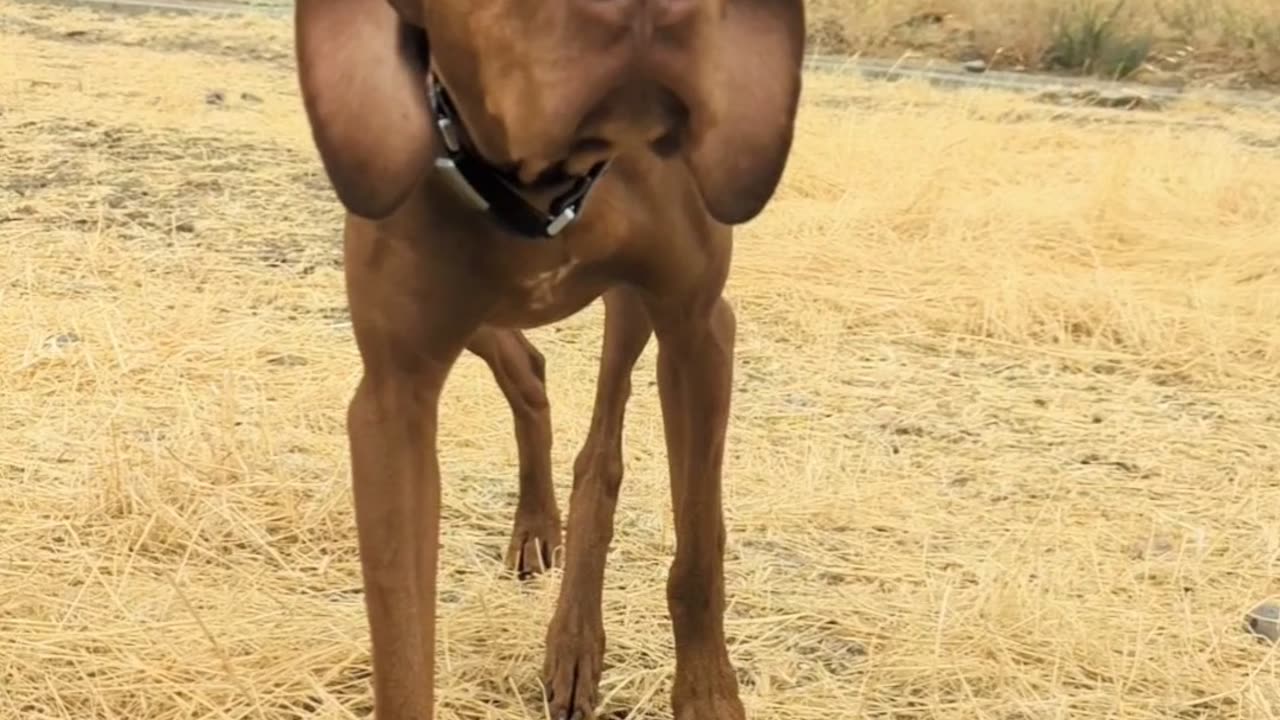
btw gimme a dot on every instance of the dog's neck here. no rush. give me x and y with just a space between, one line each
510 203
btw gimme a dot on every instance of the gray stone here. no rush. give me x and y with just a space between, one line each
1264 621
61 341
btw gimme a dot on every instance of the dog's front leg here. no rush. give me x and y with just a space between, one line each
575 637
392 430
695 379
411 319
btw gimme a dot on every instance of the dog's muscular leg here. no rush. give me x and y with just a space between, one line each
695 379
391 423
412 315
575 637
521 374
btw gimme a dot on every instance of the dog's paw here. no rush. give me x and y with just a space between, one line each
708 691
534 545
710 708
571 672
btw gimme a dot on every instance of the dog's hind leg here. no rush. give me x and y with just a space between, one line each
520 371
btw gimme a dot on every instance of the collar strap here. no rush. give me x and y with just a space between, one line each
485 188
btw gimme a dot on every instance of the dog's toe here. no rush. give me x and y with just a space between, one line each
534 545
571 673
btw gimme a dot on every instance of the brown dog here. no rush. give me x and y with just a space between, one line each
504 163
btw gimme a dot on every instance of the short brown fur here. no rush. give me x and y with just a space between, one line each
555 85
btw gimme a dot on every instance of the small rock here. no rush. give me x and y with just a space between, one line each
250 97
62 341
1125 100
186 226
1107 98
215 97
925 18
1152 549
1049 95
287 361
1264 622
976 66
75 33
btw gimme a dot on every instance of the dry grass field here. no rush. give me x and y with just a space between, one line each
1233 43
1005 441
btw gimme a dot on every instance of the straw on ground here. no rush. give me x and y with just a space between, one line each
1004 441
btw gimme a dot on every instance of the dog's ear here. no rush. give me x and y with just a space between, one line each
410 11
361 69
739 160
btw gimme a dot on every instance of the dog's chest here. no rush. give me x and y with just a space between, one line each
542 293
542 288
541 282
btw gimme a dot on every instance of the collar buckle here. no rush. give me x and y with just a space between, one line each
448 132
561 222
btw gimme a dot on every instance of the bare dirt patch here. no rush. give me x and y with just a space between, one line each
1004 441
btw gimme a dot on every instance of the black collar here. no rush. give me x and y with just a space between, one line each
486 187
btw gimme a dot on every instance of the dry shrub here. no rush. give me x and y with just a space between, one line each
848 26
1009 32
1247 31
1106 37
